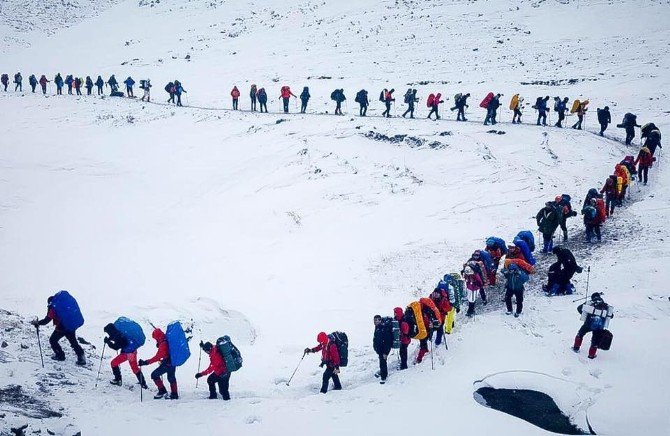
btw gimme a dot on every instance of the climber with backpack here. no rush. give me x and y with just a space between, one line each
564 207
263 100
460 103
652 134
646 160
113 84
596 315
330 358
516 278
89 85
127 336
382 343
32 80
338 97
387 97
77 85
492 110
548 219
440 298
178 91
542 109
235 94
568 263
129 82
611 194
252 97
410 100
145 85
43 83
285 96
515 105
217 370
58 80
474 284
629 123
581 111
591 221
304 99
434 105
99 83
560 107
63 310
170 356
363 102
18 80
604 119
405 339
169 88
5 81
69 81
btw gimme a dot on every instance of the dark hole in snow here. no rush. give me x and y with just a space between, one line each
12 398
535 407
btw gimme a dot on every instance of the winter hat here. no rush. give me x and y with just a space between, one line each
206 347
109 328
468 270
398 312
322 338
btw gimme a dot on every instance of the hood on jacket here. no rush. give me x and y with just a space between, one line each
398 313
158 335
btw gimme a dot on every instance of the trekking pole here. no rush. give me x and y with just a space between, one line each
296 369
39 343
586 293
432 359
102 355
199 360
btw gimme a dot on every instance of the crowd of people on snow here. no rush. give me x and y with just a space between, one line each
258 96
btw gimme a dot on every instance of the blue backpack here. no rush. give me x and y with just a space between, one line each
67 310
525 250
488 260
495 242
132 332
177 343
528 237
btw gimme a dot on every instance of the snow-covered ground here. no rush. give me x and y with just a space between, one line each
271 228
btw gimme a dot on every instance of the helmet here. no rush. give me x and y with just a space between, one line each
322 338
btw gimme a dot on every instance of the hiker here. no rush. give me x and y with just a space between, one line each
604 118
629 123
450 285
645 161
330 358
591 221
434 105
388 99
5 81
596 315
57 310
338 97
169 88
252 97
441 300
555 281
113 84
263 99
89 85
581 111
460 104
32 80
611 194
474 284
516 116
77 85
410 99
285 97
516 278
622 171
43 83
69 81
492 110
653 137
568 263
496 248
548 219
58 80
304 99
593 193
382 343
18 80
129 82
560 106
178 91
116 340
405 339
145 85
99 83
217 370
542 109
235 94
363 102
562 203
163 356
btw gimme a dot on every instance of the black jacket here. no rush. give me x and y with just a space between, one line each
383 339
116 341
568 261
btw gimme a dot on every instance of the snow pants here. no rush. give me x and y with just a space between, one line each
57 335
223 381
328 374
642 174
130 357
519 300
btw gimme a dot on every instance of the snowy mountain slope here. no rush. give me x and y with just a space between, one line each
273 231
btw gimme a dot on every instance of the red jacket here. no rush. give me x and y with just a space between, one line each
609 188
330 355
217 364
163 351
442 303
286 92
645 159
235 93
496 253
404 327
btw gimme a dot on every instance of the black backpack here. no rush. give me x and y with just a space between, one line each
408 96
411 322
333 95
342 342
381 96
391 328
168 87
231 355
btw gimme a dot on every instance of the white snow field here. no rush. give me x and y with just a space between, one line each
273 227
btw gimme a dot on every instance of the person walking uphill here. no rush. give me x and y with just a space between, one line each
32 80
163 356
596 315
129 82
542 109
363 102
178 91
235 94
5 81
604 119
252 97
405 339
460 103
263 99
58 80
387 98
492 110
18 81
285 97
145 85
560 106
548 219
63 311
516 278
581 111
473 284
89 85
410 100
338 97
218 372
304 99
43 83
592 221
99 83
382 343
434 105
629 123
330 358
128 345
646 160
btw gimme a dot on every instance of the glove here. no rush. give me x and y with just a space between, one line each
142 362
458 310
198 375
308 350
321 365
579 270
106 340
35 323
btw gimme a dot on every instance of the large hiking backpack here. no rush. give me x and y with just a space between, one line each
231 355
527 236
358 97
408 96
381 96
177 344
132 332
431 100
342 342
169 87
485 103
67 310
495 242
333 95
629 119
392 326
601 210
525 250
457 98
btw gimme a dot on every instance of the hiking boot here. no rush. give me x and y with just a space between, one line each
141 380
115 382
509 312
174 396
58 357
382 382
160 394
117 376
81 360
577 344
516 315
212 397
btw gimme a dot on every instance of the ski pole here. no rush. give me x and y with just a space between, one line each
102 355
296 369
199 360
39 343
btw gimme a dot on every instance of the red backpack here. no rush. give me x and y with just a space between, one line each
485 103
431 100
601 216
